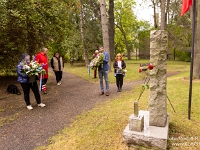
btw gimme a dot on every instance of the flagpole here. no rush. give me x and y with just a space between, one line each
192 58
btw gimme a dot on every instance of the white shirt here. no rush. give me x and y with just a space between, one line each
119 64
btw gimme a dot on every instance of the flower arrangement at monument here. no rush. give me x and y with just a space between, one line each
32 68
141 69
97 61
145 85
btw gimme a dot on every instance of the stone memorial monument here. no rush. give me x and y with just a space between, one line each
150 128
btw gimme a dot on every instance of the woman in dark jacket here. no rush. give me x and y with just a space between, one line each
118 66
57 65
28 83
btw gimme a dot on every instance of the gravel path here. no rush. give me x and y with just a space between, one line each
33 128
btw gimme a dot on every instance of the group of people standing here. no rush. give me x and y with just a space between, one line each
30 82
118 65
57 65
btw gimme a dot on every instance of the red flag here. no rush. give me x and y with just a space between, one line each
185 6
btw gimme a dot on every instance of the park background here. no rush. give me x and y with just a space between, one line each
58 25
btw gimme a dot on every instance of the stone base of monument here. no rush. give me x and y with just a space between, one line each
151 137
136 123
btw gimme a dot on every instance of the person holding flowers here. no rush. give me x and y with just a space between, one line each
95 55
119 66
103 69
27 71
42 59
97 61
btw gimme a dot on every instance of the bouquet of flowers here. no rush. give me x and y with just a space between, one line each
97 61
123 71
32 68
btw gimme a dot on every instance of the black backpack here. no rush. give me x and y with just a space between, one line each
13 89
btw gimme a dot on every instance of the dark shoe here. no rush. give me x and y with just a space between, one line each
118 90
107 93
101 93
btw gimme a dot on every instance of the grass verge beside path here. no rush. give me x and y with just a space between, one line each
101 128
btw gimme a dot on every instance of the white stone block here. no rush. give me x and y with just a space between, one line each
136 123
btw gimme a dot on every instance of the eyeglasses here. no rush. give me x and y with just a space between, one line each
118 56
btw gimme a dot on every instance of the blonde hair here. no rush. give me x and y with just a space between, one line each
118 55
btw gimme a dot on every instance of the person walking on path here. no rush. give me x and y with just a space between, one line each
27 83
103 71
57 65
41 58
95 55
119 65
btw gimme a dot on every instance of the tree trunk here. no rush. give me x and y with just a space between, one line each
83 37
111 29
162 26
154 14
104 23
125 42
196 69
167 13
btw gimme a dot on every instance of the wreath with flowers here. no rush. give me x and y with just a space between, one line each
32 68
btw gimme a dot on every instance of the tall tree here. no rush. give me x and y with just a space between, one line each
125 21
83 36
111 29
104 23
163 20
155 15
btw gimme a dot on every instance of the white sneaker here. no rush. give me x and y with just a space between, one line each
41 105
29 107
58 83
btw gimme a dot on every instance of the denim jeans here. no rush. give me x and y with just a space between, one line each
103 73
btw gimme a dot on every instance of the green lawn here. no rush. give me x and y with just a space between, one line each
101 128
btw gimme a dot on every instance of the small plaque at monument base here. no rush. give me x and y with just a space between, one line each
136 123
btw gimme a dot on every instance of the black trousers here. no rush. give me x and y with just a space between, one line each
58 75
119 80
26 89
